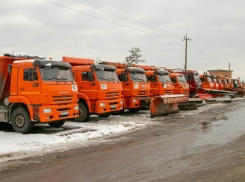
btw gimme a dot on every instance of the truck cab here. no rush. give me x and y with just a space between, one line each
180 84
219 83
160 82
207 82
224 81
194 81
216 83
36 91
136 88
99 89
229 82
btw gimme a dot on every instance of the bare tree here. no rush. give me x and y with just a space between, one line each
135 56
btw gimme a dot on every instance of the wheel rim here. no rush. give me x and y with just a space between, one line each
80 112
20 121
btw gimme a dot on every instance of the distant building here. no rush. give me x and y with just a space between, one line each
221 72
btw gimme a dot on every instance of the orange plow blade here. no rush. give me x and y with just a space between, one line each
166 104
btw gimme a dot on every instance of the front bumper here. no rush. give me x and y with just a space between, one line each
58 112
141 103
110 106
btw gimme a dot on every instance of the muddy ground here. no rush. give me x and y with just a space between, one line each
206 146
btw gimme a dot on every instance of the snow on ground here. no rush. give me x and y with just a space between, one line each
46 138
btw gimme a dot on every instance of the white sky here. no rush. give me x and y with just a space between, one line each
217 27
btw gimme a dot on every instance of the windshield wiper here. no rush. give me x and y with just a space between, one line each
103 78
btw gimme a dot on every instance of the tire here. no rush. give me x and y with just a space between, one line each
106 115
134 110
83 113
57 123
20 121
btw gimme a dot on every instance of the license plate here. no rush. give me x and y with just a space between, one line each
113 107
64 113
142 85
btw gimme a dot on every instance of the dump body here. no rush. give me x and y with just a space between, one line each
180 84
98 86
30 84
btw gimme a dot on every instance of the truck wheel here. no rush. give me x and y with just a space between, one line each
57 123
134 110
106 115
21 121
83 113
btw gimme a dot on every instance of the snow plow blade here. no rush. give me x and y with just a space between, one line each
223 96
239 92
166 104
204 96
192 103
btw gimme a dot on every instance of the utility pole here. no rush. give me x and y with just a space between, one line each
186 39
229 69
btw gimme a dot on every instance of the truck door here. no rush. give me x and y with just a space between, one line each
88 87
29 89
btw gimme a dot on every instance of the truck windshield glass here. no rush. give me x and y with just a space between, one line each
106 75
209 79
215 80
137 77
197 77
181 79
164 78
56 73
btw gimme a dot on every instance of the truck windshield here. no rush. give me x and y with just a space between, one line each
209 79
197 77
137 77
215 80
181 79
164 78
106 75
56 73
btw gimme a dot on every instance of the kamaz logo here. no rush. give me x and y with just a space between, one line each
64 98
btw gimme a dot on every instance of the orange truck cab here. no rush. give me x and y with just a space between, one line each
180 84
230 83
36 91
160 82
224 81
219 83
136 88
207 82
216 82
99 89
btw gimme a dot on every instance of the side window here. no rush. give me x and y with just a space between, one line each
35 74
120 77
149 78
85 76
175 80
25 75
202 79
188 77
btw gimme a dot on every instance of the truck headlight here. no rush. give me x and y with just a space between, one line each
74 87
121 102
102 104
47 110
134 100
76 107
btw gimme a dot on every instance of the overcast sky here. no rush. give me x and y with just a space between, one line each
216 28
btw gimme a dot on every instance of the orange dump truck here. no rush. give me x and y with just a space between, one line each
136 88
99 89
36 91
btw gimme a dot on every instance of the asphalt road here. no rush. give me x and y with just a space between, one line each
208 146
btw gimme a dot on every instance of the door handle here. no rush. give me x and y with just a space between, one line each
126 84
22 89
36 85
92 84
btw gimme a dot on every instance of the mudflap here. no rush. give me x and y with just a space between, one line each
166 104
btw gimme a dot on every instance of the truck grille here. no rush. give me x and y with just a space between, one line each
62 98
142 93
168 91
185 92
112 94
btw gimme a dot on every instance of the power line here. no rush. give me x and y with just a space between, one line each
109 20
198 47
203 55
127 19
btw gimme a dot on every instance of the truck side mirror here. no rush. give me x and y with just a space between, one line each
30 77
154 79
90 76
124 77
